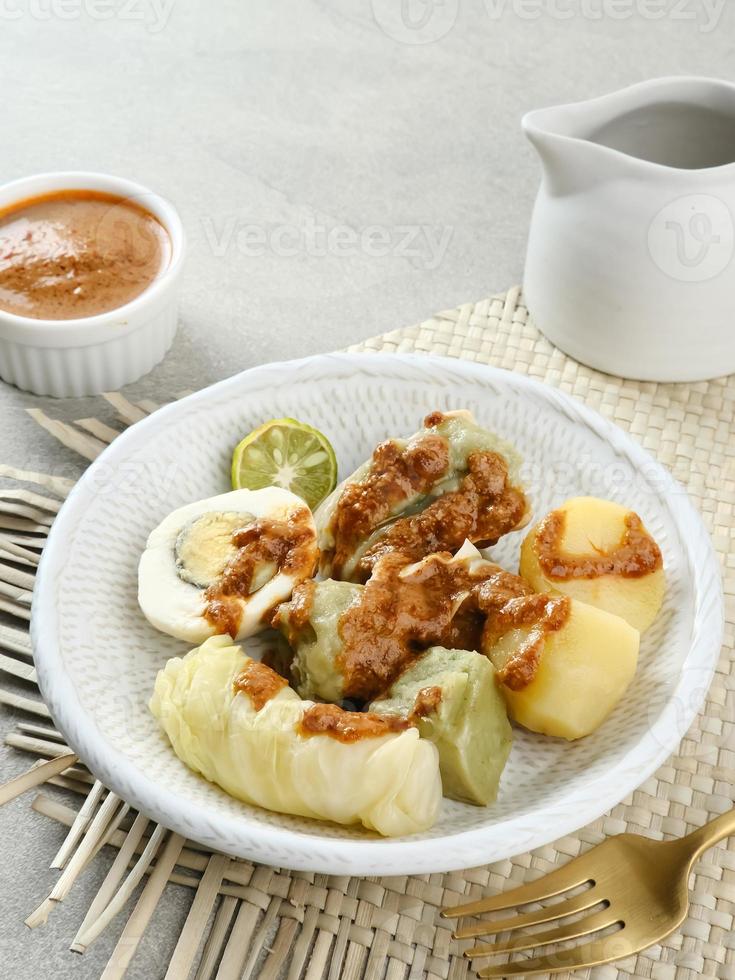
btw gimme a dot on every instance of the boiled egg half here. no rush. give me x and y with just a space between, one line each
222 565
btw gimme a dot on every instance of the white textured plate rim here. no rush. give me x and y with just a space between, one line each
395 857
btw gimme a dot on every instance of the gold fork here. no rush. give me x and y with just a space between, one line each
638 885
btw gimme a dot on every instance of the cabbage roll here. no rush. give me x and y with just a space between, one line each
351 641
240 725
450 481
453 698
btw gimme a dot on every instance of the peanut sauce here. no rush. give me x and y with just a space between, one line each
483 509
348 726
396 474
288 544
397 617
635 556
427 702
299 612
259 682
351 726
77 253
508 603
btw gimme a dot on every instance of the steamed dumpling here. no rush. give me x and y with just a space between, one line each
311 624
352 641
221 565
450 481
236 722
454 700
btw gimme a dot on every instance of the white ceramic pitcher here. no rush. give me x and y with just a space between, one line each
631 254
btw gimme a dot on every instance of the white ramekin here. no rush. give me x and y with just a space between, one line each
96 353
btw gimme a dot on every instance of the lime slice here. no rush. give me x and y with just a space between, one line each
286 453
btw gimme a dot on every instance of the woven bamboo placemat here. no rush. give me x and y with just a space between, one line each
252 921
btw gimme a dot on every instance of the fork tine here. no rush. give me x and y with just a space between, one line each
530 940
577 958
576 872
489 927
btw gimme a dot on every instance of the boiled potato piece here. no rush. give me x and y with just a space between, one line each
582 672
600 553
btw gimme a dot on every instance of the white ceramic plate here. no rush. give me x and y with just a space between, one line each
97 656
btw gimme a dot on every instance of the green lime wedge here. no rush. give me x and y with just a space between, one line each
286 453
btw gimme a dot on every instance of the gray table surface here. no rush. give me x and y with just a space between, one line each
271 126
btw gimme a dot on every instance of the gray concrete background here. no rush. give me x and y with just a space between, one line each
270 125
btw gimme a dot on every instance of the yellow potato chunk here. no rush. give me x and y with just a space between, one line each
582 673
593 534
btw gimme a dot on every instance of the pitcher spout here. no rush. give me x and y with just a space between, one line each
680 129
571 162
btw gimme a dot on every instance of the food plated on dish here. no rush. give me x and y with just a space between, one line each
410 650
220 565
98 657
452 481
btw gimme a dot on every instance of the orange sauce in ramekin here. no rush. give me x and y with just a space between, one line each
77 253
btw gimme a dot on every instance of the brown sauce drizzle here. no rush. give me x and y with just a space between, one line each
348 726
289 544
299 612
509 604
351 726
259 682
484 508
464 632
440 603
399 616
427 702
635 556
395 475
